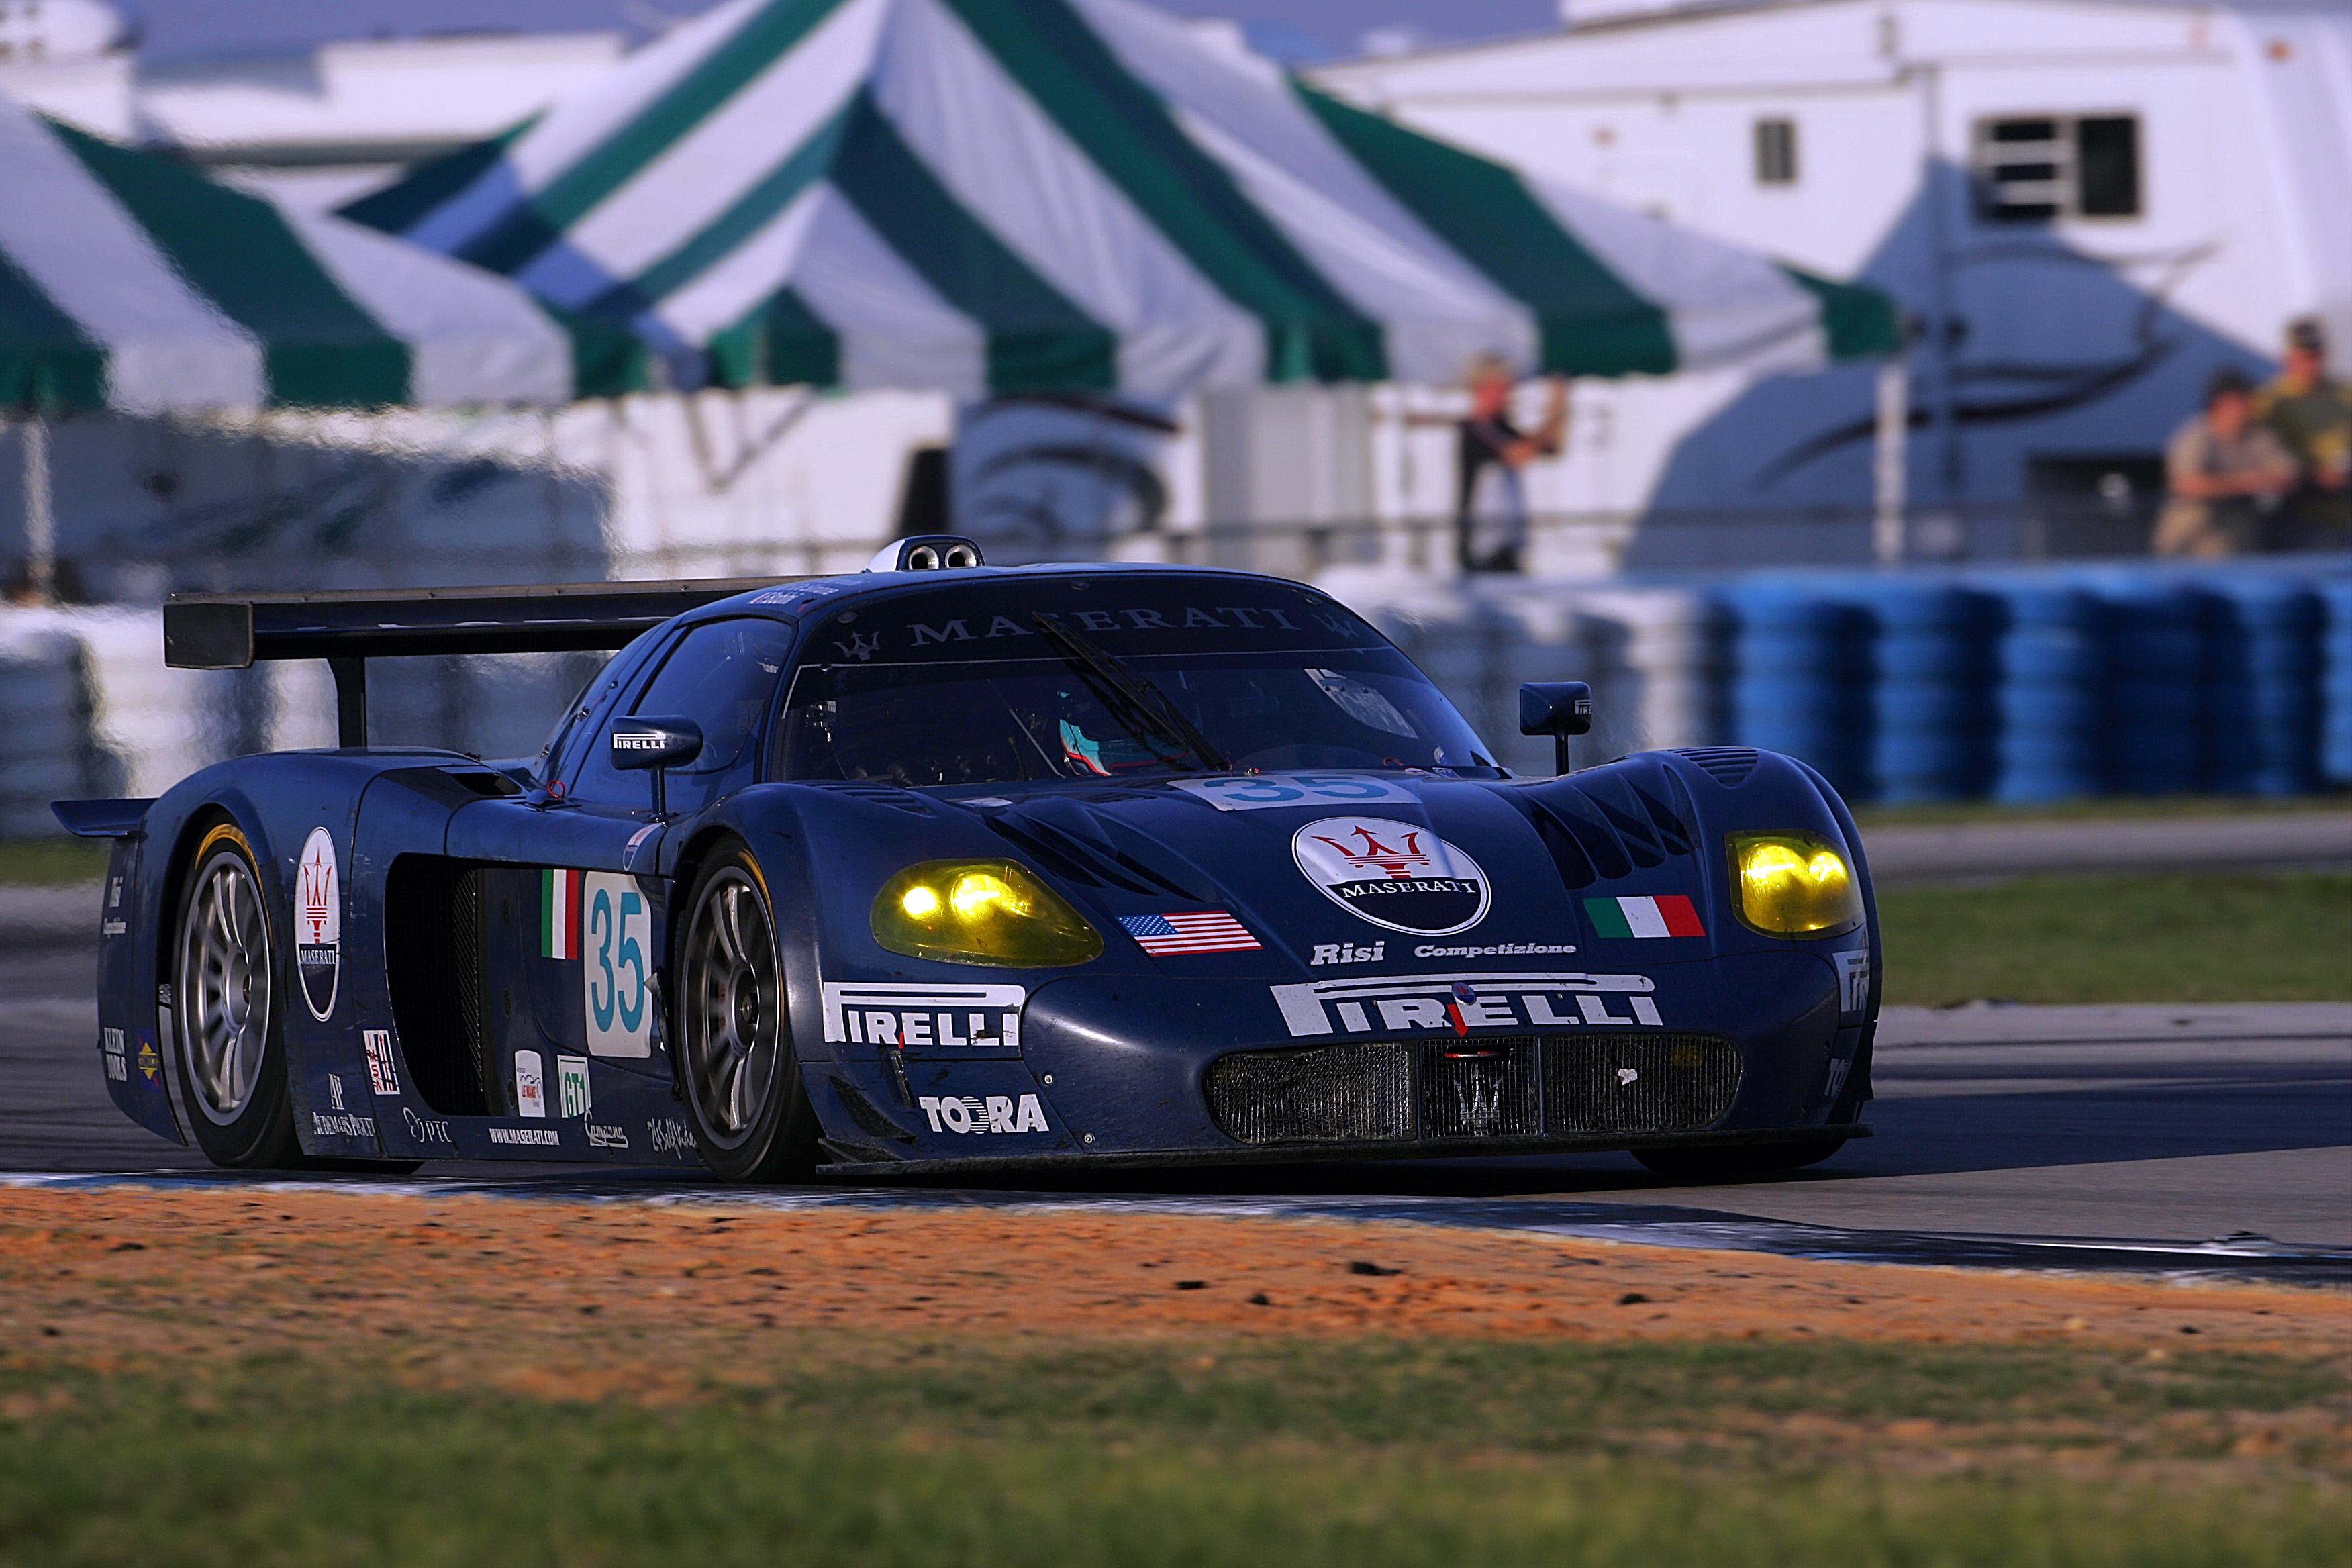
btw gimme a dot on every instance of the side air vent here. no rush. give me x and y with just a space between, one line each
435 955
1726 765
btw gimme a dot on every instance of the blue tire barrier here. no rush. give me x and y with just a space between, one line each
2335 683
2158 706
1933 655
2265 693
1800 680
2054 664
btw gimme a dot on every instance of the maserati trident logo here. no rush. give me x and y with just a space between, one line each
1393 874
317 923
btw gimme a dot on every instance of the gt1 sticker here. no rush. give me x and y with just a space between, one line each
384 1073
1459 1004
1393 874
571 1086
992 1113
936 1020
1267 792
530 1088
616 933
317 923
1853 979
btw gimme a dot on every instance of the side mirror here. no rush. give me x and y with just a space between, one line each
1559 709
649 744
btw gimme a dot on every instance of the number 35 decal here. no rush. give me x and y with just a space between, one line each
1263 792
616 960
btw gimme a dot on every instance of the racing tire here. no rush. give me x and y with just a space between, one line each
228 1041
737 1071
1738 1163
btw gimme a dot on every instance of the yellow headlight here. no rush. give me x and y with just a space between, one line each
980 911
1793 884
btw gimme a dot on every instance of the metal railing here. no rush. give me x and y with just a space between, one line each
1558 545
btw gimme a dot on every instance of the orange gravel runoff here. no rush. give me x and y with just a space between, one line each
497 1288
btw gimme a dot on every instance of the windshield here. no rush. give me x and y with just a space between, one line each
1038 717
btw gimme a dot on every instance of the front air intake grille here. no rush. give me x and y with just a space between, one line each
1512 1086
1480 1088
1726 765
1328 1094
1637 1083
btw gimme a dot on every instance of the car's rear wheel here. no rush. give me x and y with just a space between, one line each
1739 1162
232 1060
739 1078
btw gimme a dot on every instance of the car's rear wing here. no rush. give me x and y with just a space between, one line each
235 631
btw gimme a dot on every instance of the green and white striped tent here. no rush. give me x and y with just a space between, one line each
1078 195
131 282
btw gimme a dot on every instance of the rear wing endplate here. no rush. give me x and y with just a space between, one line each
236 631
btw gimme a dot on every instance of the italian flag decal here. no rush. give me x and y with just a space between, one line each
559 914
1669 916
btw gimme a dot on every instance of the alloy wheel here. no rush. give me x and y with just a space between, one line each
732 1016
223 994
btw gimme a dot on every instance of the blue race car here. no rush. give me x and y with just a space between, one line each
939 865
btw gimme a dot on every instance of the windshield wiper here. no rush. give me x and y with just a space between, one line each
1136 691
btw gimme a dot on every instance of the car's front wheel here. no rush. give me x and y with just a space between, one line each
232 1062
734 1055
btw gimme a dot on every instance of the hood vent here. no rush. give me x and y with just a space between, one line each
1726 765
891 796
1085 861
1601 825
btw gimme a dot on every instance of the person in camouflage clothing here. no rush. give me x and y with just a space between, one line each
2313 415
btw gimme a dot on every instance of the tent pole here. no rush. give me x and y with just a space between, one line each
40 516
1889 482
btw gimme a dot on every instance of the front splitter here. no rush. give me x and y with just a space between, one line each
1352 1154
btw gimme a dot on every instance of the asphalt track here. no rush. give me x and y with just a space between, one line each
2200 1140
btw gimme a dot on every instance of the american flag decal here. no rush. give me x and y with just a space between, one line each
1203 930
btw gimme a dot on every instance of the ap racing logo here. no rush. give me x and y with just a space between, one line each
1461 1003
1393 874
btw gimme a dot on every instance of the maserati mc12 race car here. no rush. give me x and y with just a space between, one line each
940 865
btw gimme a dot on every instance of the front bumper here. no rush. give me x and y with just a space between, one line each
1117 1069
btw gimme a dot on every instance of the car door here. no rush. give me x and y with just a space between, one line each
574 922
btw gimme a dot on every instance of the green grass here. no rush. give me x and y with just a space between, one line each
52 862
1359 1454
1945 813
2122 938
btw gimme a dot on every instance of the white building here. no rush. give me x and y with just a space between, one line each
2089 206
315 127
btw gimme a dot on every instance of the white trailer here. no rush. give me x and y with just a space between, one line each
2089 206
